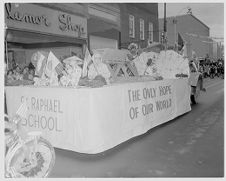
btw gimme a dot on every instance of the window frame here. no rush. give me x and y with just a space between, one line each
150 31
142 27
131 26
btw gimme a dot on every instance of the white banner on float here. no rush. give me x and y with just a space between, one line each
92 120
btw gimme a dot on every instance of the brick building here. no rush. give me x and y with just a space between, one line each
139 23
193 31
116 25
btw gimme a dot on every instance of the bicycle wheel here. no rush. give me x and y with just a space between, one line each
25 161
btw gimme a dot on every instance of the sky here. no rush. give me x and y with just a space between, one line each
211 14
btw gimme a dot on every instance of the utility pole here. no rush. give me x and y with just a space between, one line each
175 33
164 28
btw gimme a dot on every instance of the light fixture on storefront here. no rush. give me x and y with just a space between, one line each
9 36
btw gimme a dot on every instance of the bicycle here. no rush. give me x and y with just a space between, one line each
26 154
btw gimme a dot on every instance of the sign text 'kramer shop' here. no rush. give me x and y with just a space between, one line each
149 100
43 113
36 18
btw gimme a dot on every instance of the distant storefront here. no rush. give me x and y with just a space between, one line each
32 27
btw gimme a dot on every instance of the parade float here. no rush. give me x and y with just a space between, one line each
93 104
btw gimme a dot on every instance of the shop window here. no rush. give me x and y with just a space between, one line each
131 26
141 29
150 31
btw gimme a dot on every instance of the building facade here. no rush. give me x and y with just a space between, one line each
103 25
116 25
217 50
139 23
30 27
68 28
193 32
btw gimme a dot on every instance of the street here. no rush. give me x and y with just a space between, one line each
191 145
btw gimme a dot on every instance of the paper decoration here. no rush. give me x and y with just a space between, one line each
171 63
141 63
39 59
22 110
92 73
87 60
166 64
53 80
59 68
43 81
74 60
53 65
98 68
184 51
73 72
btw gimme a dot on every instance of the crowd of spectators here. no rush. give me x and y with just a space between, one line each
18 73
212 70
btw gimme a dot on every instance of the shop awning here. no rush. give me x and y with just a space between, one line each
28 39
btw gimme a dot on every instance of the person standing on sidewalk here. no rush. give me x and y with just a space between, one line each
212 71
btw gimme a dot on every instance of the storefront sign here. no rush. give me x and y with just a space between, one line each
87 120
45 20
25 18
66 24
